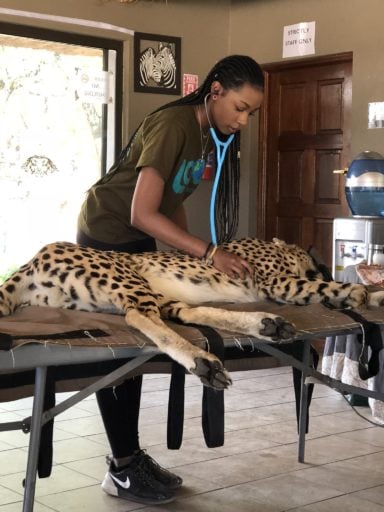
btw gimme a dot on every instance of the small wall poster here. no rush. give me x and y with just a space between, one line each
190 83
299 39
93 87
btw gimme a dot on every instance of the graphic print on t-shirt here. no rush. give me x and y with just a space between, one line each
188 176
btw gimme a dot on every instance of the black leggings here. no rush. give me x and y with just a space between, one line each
120 406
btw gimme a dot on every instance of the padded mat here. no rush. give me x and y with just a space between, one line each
80 328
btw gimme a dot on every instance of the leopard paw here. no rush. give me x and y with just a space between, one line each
277 328
211 373
357 296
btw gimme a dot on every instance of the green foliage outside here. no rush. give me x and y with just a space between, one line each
7 273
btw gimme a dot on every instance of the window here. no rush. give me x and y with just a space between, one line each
60 130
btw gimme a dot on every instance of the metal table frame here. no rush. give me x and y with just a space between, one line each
61 355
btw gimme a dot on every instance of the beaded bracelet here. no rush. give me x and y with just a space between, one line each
209 247
208 259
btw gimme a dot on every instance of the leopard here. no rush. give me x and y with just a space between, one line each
153 287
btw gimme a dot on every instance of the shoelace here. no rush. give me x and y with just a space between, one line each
141 469
150 463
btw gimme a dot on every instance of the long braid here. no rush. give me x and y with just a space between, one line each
227 199
232 72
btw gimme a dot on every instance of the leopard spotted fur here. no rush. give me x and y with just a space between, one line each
151 287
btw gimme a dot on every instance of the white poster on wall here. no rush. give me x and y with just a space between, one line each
94 86
299 39
376 115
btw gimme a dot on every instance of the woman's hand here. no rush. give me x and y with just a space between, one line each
231 264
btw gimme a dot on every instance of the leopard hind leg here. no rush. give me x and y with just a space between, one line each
15 290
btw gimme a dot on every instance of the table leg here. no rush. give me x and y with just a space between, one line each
303 417
34 440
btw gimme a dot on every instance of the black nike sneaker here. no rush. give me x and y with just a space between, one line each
135 483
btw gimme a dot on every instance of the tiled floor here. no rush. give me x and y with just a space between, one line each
256 470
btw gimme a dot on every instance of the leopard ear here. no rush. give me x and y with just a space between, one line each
277 241
281 243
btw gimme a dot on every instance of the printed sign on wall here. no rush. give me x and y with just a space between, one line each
94 86
190 83
376 115
299 39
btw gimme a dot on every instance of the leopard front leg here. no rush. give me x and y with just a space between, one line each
204 365
266 326
302 291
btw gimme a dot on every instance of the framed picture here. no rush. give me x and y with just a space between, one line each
157 62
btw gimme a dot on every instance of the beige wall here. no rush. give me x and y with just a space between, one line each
256 28
211 29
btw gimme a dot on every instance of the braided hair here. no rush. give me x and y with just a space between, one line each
232 72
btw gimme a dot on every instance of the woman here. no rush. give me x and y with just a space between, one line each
140 200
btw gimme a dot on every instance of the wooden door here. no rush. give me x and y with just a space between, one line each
305 134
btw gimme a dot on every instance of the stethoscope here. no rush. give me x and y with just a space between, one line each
221 149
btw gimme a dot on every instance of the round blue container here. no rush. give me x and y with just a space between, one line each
364 186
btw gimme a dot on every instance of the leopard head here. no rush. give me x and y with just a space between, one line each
301 262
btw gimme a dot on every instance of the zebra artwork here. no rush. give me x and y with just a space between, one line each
167 66
158 66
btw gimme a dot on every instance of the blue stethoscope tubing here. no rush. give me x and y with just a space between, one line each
221 149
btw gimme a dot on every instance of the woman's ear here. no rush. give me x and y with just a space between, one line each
216 88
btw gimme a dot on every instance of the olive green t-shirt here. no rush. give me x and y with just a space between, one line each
170 142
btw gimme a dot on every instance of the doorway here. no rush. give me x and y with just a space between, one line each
60 131
305 134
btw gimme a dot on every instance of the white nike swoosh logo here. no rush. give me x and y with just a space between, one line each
125 484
